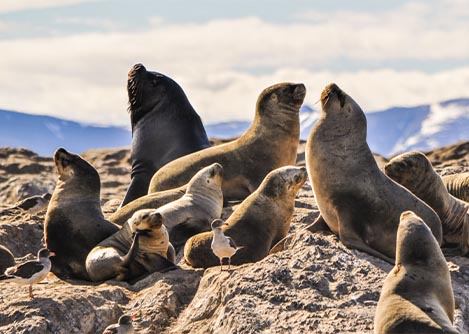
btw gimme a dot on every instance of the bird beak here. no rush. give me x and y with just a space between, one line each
134 316
52 254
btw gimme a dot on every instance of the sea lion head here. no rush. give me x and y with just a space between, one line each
72 166
410 169
284 181
146 221
284 96
415 243
208 177
149 91
346 116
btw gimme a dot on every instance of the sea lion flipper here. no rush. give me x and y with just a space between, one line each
281 245
318 225
351 240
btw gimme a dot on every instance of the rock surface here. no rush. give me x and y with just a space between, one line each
315 286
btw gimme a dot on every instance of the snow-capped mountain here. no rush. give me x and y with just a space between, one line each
400 129
44 134
390 131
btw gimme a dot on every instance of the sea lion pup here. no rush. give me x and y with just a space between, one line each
6 259
458 185
200 205
74 222
272 138
416 296
150 201
140 247
259 222
415 172
164 126
356 200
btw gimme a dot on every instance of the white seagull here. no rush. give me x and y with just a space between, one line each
30 272
34 204
222 246
123 326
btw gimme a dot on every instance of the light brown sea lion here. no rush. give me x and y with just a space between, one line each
164 126
272 139
193 212
150 201
458 185
74 222
414 171
416 296
140 247
356 200
259 222
6 259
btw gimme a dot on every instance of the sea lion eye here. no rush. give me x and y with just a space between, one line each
274 97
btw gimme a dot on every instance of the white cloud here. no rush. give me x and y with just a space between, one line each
224 64
9 6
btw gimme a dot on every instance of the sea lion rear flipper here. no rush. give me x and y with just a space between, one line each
318 225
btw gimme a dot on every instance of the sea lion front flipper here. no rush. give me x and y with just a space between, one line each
155 262
351 240
318 225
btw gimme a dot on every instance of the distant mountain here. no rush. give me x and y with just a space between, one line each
400 129
44 134
390 131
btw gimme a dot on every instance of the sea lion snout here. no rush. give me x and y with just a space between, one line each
216 169
135 70
301 176
298 93
333 91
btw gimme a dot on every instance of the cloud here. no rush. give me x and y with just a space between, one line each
223 65
10 6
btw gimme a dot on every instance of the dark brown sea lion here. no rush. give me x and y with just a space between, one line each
417 296
356 200
164 126
270 142
414 171
74 222
6 259
259 222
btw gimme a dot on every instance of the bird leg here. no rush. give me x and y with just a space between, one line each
221 265
229 263
31 291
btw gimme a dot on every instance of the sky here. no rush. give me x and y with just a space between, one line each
70 58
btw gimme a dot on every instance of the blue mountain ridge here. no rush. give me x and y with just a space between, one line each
390 131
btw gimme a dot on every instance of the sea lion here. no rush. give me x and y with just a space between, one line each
6 259
416 296
258 223
140 247
164 126
272 139
414 171
150 201
74 222
458 185
356 200
200 205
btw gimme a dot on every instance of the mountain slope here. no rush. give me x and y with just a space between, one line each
44 134
390 131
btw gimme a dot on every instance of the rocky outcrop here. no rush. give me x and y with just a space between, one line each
315 286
